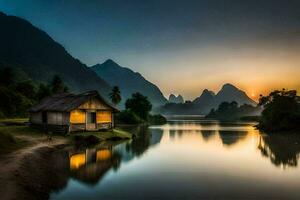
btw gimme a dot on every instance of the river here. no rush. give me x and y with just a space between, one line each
188 159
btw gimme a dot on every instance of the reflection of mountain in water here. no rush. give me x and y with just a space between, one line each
231 137
207 134
282 149
172 134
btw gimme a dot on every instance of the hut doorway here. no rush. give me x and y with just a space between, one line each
91 120
44 117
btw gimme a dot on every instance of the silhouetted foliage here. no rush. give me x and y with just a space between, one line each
281 111
139 104
57 85
27 89
115 95
281 149
43 91
128 117
138 111
7 77
231 111
18 96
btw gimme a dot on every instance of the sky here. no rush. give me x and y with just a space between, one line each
182 46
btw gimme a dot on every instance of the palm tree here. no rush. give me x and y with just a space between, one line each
115 95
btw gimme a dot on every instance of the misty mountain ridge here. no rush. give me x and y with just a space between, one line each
129 82
209 100
28 49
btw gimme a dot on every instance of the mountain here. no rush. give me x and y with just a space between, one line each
231 93
227 93
129 82
174 99
31 50
205 101
205 98
209 100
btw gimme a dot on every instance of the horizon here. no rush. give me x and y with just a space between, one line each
210 45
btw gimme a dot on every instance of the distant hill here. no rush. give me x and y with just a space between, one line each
205 101
208 100
175 99
231 93
35 53
129 82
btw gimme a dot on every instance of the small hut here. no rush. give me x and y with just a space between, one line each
69 112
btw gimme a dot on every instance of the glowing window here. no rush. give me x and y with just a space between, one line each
103 116
77 117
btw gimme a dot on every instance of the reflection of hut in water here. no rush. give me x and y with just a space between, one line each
282 149
89 166
231 137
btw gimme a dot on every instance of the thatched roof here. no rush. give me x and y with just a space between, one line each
66 102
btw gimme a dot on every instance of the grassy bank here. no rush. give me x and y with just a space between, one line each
14 137
20 136
20 120
104 135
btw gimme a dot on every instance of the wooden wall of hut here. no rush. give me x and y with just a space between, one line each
94 104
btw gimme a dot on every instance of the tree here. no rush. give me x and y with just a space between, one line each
115 95
43 91
231 111
27 89
12 103
58 85
7 77
281 111
139 104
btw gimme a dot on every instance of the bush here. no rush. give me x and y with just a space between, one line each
139 104
281 111
157 119
128 117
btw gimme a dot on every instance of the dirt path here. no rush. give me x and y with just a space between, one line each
13 166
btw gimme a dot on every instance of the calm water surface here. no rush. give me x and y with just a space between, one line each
188 159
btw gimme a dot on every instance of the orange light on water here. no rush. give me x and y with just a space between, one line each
103 155
77 160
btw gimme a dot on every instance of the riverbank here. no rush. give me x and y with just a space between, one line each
22 147
15 134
